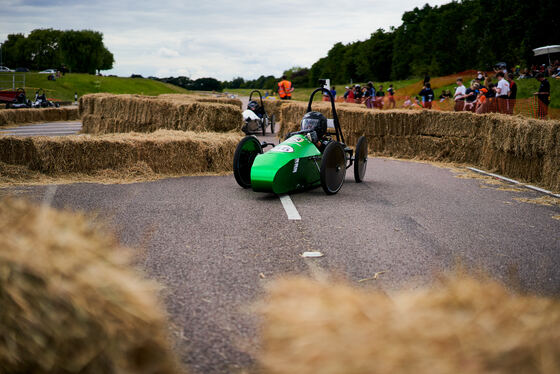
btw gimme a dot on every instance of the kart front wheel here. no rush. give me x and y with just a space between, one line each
247 149
333 168
360 159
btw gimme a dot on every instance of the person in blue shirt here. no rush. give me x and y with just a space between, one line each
333 92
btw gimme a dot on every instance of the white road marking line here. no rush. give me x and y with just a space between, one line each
514 181
289 207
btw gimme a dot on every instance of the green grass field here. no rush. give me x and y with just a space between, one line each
64 88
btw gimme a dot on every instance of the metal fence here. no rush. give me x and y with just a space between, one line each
11 81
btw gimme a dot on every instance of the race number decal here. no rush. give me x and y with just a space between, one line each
282 148
295 139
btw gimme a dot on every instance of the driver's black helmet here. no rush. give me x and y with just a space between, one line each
253 105
314 121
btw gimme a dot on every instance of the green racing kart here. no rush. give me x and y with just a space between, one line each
306 159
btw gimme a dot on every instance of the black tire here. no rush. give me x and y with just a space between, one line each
272 124
263 125
247 149
333 168
360 159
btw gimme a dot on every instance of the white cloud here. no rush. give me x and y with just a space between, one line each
221 38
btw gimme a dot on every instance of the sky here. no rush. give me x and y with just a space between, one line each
221 38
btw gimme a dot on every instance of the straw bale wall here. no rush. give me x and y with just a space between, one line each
163 152
515 146
72 301
22 116
106 113
462 325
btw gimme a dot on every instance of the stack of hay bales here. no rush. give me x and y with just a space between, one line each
107 113
21 116
70 300
202 99
461 326
163 152
515 146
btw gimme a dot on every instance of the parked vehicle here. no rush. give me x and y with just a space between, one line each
48 71
5 69
22 70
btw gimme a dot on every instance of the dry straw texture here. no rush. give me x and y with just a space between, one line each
460 326
107 113
21 116
163 152
71 302
515 146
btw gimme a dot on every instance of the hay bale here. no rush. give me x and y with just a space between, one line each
106 113
202 99
71 302
164 152
515 146
460 326
22 116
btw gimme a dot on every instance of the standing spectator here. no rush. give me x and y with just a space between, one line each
459 95
349 95
471 94
543 96
379 97
502 93
427 96
392 102
285 89
491 96
426 78
358 94
333 92
369 94
512 96
481 102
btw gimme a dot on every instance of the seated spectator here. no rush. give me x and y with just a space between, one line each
407 102
445 94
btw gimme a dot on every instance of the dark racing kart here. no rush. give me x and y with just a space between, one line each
306 159
256 118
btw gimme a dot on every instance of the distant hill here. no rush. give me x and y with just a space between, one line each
64 88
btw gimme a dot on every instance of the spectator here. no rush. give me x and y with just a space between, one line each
379 97
369 94
427 95
358 96
407 102
512 96
445 94
481 102
502 93
491 96
349 95
285 89
391 92
459 95
426 79
543 96
333 92
471 94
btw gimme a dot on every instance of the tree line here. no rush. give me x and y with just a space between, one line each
78 51
441 40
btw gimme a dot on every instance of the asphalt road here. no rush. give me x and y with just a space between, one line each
44 129
211 242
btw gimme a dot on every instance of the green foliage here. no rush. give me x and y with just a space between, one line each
81 51
445 39
65 87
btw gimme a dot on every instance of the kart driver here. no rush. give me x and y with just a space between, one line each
314 125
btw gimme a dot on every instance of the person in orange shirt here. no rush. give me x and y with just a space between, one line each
482 102
285 89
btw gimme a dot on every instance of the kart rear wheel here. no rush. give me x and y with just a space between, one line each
333 168
247 149
360 159
272 124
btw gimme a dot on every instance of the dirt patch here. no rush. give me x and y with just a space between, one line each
543 200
